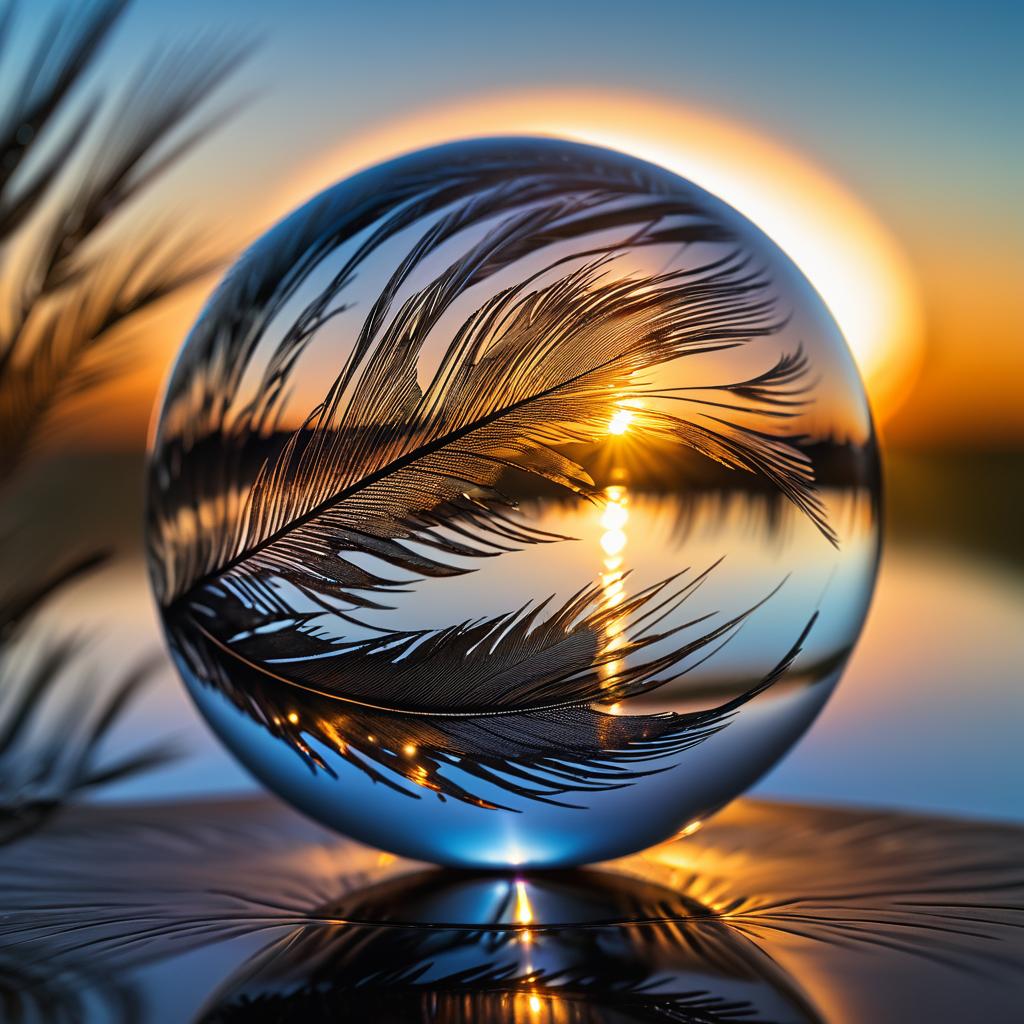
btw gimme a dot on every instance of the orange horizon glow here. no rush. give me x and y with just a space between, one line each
839 244
973 306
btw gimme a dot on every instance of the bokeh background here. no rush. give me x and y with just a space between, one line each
878 143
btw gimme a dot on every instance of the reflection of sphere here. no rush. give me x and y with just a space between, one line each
453 949
513 502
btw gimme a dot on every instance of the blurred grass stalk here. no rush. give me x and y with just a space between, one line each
72 161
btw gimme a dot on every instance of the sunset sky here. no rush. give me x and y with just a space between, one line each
892 135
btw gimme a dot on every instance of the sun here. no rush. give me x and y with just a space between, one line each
839 244
620 421
623 416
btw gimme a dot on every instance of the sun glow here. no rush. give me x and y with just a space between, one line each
620 421
623 416
840 245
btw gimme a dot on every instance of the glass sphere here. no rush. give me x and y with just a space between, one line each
513 502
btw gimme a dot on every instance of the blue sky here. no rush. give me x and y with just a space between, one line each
904 99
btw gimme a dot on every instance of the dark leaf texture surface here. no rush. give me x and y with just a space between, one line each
767 913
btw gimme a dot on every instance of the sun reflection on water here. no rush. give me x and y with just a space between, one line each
614 519
523 911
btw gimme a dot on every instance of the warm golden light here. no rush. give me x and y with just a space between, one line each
840 245
613 541
523 911
623 416
614 516
619 423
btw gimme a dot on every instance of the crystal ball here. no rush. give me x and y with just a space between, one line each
512 503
